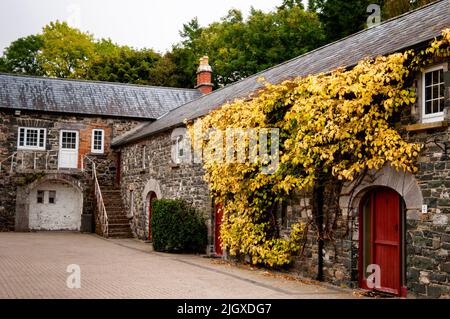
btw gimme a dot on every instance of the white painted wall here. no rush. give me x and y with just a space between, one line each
65 214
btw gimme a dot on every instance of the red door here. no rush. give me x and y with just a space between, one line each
218 223
150 198
381 240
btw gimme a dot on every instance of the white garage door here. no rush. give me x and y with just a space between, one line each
55 206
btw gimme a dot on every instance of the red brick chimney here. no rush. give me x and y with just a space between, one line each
204 76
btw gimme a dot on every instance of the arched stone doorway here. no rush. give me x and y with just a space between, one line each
51 203
152 191
382 238
150 198
354 196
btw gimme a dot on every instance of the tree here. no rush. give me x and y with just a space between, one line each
66 52
289 4
124 65
164 72
22 56
239 48
393 8
341 18
3 66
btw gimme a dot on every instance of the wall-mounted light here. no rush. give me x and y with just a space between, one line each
17 113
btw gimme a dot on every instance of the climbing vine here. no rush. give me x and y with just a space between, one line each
332 127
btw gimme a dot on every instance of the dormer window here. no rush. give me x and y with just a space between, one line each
433 100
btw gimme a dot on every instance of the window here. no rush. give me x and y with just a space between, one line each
31 138
52 197
179 151
433 95
40 197
69 140
98 141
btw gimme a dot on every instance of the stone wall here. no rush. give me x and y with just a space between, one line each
7 202
147 167
427 234
29 165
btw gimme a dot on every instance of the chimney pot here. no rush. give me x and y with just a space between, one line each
204 76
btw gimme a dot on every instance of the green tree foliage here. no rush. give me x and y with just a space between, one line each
22 56
177 227
288 4
66 52
3 66
126 66
341 18
240 47
237 47
393 8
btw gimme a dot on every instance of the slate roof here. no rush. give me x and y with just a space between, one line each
405 31
90 97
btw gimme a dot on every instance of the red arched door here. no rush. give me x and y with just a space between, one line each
218 215
381 241
150 198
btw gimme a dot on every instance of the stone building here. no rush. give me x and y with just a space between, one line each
75 155
53 133
412 234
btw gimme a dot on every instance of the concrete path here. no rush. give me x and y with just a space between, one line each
34 265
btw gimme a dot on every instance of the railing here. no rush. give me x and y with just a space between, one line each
11 159
100 204
21 161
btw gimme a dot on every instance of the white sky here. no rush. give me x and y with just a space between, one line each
137 23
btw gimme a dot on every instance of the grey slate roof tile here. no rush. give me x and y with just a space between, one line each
405 31
90 97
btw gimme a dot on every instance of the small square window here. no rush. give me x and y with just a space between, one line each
40 197
52 197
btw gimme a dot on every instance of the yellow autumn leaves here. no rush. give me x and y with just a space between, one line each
337 124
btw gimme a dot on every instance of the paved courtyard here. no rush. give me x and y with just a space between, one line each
34 265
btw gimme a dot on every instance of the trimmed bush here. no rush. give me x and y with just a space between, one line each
177 227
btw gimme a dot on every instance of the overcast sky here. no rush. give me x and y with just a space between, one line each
138 23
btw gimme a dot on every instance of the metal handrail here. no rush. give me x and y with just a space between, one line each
11 157
103 216
18 157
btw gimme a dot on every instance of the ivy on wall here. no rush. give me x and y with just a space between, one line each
333 127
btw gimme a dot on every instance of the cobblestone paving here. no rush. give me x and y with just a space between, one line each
34 265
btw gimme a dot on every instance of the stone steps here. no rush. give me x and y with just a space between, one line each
119 226
120 234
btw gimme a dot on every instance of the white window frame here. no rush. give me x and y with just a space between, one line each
32 148
434 117
102 150
178 147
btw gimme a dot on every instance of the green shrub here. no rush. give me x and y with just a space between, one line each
177 227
